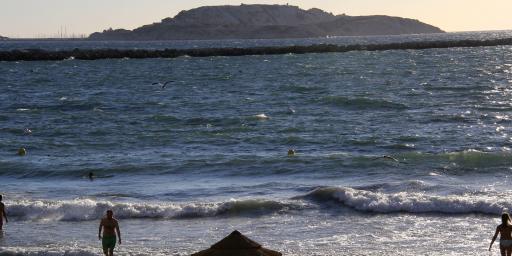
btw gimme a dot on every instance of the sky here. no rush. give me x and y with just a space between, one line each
50 18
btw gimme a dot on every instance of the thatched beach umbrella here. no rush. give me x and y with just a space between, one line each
237 244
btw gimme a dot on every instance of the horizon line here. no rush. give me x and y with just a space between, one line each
87 37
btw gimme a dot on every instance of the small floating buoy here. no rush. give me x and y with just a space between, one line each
22 152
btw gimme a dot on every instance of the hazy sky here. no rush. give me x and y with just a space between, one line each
30 18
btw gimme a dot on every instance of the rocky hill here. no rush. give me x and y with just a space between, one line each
3 38
265 21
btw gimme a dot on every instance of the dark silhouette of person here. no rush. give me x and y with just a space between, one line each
91 176
3 215
110 227
505 231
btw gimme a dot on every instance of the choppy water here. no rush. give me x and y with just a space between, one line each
183 166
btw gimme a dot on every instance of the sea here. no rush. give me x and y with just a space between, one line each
399 152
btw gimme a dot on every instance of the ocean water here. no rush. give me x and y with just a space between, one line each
65 44
183 166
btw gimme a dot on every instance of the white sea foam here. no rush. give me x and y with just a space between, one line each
82 250
410 202
357 199
46 251
87 209
261 116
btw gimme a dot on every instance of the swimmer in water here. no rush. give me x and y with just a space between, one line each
22 152
291 152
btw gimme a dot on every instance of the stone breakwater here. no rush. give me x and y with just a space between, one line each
95 54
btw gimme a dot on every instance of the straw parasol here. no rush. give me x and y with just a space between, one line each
237 244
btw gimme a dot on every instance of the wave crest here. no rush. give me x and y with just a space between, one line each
87 209
377 202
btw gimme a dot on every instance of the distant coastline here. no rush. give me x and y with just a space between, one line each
87 39
265 22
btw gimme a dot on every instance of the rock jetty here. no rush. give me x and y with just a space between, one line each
94 54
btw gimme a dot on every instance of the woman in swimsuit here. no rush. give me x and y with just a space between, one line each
505 231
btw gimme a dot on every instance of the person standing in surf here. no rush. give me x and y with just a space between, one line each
110 227
505 231
3 215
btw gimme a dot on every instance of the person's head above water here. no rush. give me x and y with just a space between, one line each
505 219
110 213
22 152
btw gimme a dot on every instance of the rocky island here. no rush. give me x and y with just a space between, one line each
265 22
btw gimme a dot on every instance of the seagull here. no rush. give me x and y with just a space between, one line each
163 84
387 157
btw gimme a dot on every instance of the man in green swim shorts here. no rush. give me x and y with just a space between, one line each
110 227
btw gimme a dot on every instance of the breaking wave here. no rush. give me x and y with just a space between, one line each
410 197
408 202
87 209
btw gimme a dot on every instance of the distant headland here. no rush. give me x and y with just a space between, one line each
265 22
3 38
